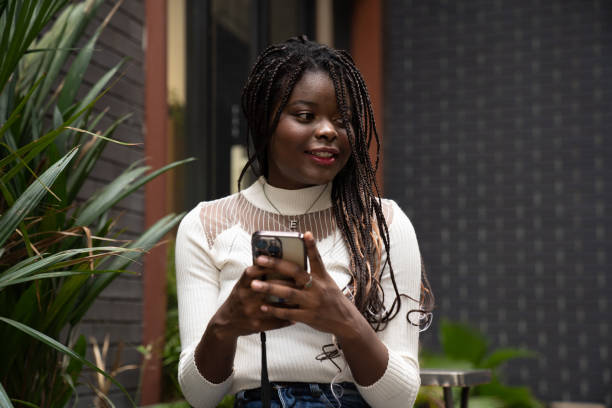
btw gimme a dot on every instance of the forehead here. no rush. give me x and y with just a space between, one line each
316 86
313 84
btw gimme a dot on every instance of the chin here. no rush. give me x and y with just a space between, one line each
316 181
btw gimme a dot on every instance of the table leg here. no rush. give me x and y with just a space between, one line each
465 393
448 397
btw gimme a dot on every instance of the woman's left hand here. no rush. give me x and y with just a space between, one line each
320 303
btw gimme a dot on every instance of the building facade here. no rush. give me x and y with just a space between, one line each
494 116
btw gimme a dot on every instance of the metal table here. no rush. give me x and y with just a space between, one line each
455 378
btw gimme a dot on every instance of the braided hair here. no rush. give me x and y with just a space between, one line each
357 206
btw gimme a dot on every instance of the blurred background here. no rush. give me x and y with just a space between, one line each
495 117
497 123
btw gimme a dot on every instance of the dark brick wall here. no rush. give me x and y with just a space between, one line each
497 133
118 311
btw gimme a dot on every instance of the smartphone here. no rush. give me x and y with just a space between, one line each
285 245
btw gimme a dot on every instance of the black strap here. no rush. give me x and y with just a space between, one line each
266 390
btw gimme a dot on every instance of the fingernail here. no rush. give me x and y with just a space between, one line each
256 284
264 308
262 260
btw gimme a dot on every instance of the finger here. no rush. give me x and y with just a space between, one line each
250 273
249 307
247 302
285 268
316 263
285 314
289 294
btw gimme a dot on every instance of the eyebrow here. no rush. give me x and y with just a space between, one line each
302 102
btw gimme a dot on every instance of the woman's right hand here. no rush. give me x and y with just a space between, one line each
241 313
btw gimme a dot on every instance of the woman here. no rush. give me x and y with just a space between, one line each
352 337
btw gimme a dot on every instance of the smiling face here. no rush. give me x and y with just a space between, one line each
309 145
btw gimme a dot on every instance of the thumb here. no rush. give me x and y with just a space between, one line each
317 267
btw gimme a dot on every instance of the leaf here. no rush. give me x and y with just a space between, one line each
34 50
104 398
145 242
75 366
461 342
87 159
31 265
108 196
34 148
121 187
75 75
500 356
70 296
72 373
39 64
24 164
512 396
25 150
227 401
96 90
26 403
4 399
24 310
445 362
24 20
486 402
60 274
76 20
62 348
429 397
31 197
16 113
103 137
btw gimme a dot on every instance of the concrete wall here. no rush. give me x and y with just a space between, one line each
497 136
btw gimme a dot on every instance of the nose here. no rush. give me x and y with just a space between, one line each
326 130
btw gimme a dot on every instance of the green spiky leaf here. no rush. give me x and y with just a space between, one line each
461 342
31 197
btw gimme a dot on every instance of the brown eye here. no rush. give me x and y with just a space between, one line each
305 116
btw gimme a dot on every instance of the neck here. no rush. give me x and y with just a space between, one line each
305 211
289 202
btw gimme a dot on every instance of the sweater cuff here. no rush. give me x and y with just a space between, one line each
398 386
198 391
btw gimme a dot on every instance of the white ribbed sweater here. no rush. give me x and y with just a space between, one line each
212 251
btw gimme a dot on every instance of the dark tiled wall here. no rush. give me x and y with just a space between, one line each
498 119
118 310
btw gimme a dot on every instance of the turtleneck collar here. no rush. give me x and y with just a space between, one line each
288 202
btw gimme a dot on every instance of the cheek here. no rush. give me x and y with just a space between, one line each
346 146
288 134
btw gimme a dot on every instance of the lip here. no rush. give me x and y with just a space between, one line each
331 150
323 160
